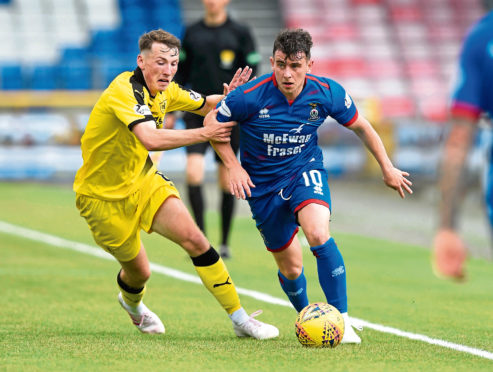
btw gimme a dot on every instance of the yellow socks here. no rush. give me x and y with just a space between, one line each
131 296
215 276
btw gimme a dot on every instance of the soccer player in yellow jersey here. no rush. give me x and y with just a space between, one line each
119 191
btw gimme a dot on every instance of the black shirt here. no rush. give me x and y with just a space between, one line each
210 56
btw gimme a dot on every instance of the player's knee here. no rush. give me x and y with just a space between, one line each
144 274
317 236
137 278
193 178
292 271
195 243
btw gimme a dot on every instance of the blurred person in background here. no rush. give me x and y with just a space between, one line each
213 49
472 97
282 172
119 190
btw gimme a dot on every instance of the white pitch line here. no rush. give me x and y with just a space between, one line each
56 241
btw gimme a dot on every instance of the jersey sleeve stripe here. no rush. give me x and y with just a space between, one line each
465 110
134 123
138 90
258 84
202 104
353 119
318 81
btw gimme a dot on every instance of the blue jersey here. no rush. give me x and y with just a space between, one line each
278 139
473 93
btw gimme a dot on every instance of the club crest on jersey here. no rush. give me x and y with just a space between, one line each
264 113
194 95
162 107
142 110
347 101
313 112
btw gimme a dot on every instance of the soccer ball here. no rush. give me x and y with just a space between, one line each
319 325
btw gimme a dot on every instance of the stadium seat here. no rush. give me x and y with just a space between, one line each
105 43
384 68
402 46
75 75
43 78
422 68
11 77
109 68
398 106
74 37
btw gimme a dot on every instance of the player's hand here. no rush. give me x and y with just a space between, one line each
449 255
215 130
396 179
240 182
240 78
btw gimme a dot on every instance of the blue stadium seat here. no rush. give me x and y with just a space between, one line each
107 55
43 77
11 77
127 3
76 75
105 43
107 69
75 54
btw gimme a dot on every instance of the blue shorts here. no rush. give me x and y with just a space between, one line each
276 213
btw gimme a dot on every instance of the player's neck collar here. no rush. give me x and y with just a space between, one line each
208 25
139 76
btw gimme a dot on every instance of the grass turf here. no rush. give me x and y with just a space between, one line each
59 308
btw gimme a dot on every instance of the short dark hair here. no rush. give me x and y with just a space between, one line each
290 42
158 36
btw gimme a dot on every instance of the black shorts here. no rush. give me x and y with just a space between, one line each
193 121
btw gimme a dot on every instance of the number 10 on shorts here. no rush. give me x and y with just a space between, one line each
314 178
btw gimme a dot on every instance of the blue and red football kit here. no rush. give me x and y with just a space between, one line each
473 94
279 150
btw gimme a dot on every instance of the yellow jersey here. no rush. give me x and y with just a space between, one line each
115 162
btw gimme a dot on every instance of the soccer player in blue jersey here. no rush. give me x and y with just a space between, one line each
471 98
282 171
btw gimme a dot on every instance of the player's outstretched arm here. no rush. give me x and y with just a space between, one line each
456 149
155 139
239 180
211 101
449 250
393 177
241 77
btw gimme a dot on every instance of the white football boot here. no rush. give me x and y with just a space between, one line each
256 329
143 318
350 336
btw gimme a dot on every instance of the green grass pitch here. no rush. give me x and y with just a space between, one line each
59 310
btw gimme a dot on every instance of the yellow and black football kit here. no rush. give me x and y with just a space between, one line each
118 188
115 161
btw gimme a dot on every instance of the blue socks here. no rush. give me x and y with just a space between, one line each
295 290
331 274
